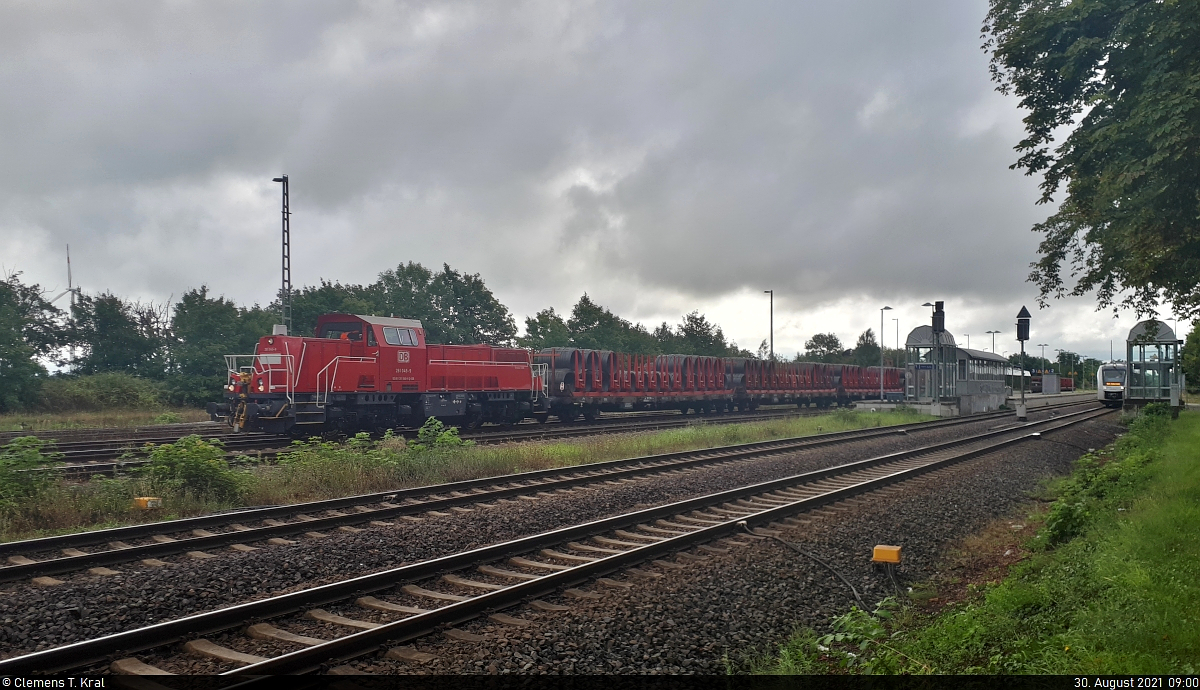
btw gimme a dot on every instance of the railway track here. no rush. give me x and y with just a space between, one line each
110 456
273 525
319 628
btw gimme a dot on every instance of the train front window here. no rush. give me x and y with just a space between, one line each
1113 375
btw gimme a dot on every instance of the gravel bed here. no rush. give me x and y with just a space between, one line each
34 618
738 607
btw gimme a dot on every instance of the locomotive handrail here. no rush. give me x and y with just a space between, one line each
264 367
329 380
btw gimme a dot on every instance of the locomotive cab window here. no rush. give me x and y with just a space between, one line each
404 337
371 337
342 331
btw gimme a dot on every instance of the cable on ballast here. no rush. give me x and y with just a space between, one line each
793 547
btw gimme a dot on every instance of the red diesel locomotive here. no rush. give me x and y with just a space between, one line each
370 372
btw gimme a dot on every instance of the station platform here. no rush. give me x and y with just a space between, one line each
951 409
1033 400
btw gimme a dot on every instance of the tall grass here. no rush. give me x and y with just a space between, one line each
1113 587
113 418
314 470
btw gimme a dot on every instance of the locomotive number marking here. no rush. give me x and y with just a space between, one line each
402 356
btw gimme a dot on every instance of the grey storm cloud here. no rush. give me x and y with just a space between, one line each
677 151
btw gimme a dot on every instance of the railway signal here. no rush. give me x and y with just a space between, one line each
1022 335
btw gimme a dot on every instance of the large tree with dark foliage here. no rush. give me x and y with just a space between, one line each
824 347
454 308
545 329
464 311
595 327
203 330
866 350
30 328
1123 77
119 336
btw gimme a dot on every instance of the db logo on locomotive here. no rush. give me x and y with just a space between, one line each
402 356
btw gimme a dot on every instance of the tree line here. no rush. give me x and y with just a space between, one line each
180 346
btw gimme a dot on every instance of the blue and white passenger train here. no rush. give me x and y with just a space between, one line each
1110 384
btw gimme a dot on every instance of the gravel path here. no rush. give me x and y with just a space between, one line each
34 618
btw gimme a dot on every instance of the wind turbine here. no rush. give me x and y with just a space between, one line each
75 292
70 286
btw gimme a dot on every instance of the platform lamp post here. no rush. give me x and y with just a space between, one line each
1022 335
881 351
993 334
772 294
1043 346
285 299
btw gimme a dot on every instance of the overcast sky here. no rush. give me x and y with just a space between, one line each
663 157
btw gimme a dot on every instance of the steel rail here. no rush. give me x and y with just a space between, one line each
113 450
90 652
268 447
344 648
422 499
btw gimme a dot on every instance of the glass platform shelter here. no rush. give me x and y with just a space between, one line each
1154 372
958 380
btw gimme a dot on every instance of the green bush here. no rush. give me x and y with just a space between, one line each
1157 409
194 466
18 460
434 434
98 392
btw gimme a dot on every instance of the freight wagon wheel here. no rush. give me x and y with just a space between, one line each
591 414
542 417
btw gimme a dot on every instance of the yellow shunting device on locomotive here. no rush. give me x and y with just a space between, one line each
885 554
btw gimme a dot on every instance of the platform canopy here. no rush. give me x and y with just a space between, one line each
1151 331
922 336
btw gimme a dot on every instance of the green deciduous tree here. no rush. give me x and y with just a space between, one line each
824 347
595 327
1189 357
1123 76
30 327
465 311
453 307
699 336
866 350
119 336
203 330
545 329
310 302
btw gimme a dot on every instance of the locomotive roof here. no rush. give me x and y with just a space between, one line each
390 321
374 320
